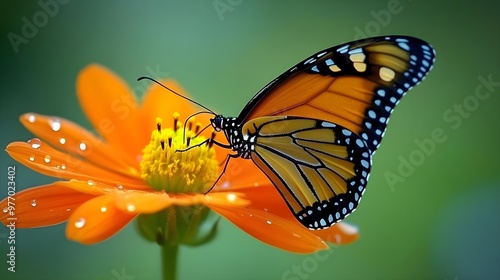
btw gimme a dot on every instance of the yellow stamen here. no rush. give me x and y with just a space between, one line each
169 168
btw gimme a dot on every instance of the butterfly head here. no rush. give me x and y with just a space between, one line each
217 122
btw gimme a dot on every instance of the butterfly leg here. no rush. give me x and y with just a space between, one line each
209 141
228 158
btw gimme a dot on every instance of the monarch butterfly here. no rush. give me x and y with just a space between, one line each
314 129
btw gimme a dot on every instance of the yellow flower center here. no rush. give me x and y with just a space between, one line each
173 161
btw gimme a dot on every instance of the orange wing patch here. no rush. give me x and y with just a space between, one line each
341 100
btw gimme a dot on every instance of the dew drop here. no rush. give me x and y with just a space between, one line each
131 207
90 182
5 209
32 158
265 209
46 159
55 124
32 118
231 197
33 203
80 223
62 140
120 187
268 222
63 166
83 146
35 143
103 209
69 209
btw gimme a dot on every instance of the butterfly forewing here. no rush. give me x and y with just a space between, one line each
355 85
314 129
320 168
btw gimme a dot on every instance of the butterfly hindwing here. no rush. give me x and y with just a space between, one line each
320 168
355 85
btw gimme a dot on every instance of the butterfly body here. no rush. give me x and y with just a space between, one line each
241 144
314 129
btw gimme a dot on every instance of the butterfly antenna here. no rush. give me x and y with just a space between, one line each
197 134
176 93
192 115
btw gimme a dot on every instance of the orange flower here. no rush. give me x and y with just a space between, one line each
133 168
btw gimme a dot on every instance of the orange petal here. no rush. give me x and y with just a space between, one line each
272 229
152 202
159 102
111 108
233 199
237 176
268 199
88 187
49 161
96 220
41 206
142 202
340 233
70 137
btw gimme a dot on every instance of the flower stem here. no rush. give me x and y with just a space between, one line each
169 261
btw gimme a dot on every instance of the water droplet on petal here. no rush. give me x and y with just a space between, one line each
80 223
69 209
5 209
90 182
32 158
120 187
268 222
35 143
55 124
32 118
33 203
231 197
46 159
83 146
62 140
131 207
265 209
63 167
103 209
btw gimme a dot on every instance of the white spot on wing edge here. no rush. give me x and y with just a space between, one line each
343 49
404 46
357 50
321 54
346 132
328 124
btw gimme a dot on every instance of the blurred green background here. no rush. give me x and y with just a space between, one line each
438 220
